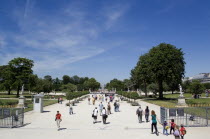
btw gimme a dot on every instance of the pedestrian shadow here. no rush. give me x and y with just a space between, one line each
107 123
46 111
98 122
61 129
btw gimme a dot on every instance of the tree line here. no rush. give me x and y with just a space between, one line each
19 71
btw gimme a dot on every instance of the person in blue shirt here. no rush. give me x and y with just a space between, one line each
154 122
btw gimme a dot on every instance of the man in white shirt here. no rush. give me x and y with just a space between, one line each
104 115
94 115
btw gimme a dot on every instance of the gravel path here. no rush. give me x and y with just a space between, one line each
122 125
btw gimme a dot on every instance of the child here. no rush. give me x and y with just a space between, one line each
165 128
176 132
182 131
172 125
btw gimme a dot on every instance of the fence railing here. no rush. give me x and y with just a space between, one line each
11 117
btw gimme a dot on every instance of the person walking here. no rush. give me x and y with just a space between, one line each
61 100
89 101
70 109
182 131
165 128
172 127
147 114
115 106
104 115
58 100
95 115
176 132
108 108
93 100
118 106
58 119
101 108
139 113
154 122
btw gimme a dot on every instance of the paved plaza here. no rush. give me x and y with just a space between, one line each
121 125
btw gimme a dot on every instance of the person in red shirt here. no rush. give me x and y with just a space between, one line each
172 125
58 119
182 131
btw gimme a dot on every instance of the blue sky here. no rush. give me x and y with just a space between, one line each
102 38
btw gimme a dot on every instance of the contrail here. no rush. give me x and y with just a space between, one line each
26 8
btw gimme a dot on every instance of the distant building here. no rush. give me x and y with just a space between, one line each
202 77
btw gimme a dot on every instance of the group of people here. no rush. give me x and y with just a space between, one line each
178 132
104 112
60 100
140 112
174 129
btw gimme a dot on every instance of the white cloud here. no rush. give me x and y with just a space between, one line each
55 42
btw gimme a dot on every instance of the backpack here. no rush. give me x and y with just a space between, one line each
184 132
176 133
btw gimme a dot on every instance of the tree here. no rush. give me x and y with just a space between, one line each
207 85
6 78
92 84
48 77
167 64
141 73
196 87
20 68
57 84
66 79
127 84
32 82
75 79
115 83
69 87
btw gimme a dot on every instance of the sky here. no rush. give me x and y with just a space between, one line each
102 38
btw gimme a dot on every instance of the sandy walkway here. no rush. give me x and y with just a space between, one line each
123 125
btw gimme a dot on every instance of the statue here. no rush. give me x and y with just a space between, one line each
22 90
180 90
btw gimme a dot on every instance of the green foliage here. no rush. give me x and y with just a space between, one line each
141 75
166 64
69 87
196 87
92 84
115 83
66 79
21 69
207 85
163 63
7 102
131 95
72 95
57 84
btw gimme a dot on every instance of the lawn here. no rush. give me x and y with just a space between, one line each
170 102
29 104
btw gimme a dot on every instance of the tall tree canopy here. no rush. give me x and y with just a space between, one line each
21 68
166 64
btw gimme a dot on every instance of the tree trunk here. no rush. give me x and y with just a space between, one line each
172 91
160 86
9 91
18 91
145 88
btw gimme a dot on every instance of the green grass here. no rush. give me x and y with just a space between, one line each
46 103
14 96
164 103
186 95
6 102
